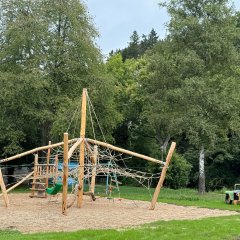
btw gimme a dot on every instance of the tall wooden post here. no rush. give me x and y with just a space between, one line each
56 169
65 174
34 175
4 191
94 162
162 177
47 166
82 147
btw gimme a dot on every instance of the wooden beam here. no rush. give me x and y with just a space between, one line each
36 150
65 175
88 147
94 162
56 169
48 161
82 148
4 192
73 148
34 174
95 142
20 182
162 177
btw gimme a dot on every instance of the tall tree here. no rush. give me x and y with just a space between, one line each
139 45
192 73
47 50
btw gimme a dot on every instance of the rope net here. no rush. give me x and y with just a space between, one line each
110 170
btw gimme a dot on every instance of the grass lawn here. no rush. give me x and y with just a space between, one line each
210 228
184 197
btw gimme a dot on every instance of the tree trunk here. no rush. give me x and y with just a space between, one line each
163 142
201 186
45 129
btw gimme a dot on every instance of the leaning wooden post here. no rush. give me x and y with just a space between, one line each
94 162
65 175
47 166
162 177
82 147
4 191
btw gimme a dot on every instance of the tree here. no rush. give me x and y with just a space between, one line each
138 46
48 51
192 78
148 42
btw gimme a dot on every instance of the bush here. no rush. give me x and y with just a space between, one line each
178 172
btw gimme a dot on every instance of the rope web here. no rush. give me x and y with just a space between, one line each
111 167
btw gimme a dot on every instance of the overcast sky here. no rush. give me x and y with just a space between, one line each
117 19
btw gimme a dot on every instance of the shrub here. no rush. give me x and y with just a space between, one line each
178 172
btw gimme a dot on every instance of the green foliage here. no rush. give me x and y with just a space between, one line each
139 45
178 172
47 55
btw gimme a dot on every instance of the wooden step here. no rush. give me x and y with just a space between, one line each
38 183
39 190
37 196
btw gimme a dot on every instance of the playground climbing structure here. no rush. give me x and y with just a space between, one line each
92 158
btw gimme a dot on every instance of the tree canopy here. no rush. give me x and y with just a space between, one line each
184 87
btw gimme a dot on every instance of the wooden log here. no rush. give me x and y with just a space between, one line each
4 192
162 177
123 151
47 166
74 146
21 181
35 172
36 150
65 175
56 169
82 148
94 162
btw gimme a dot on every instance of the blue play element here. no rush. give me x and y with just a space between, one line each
109 177
72 165
71 181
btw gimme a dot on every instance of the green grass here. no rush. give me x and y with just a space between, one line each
184 197
209 228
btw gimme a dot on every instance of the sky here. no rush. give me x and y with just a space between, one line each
116 20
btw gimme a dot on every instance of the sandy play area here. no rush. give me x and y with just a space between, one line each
39 215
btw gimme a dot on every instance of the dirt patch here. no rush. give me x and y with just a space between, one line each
29 215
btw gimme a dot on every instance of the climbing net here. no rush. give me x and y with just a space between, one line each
110 168
110 165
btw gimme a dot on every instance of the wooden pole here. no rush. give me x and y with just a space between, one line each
94 162
20 182
36 150
48 161
65 175
82 147
73 148
162 177
56 169
123 151
34 174
4 191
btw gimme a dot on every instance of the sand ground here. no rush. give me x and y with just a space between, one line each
29 215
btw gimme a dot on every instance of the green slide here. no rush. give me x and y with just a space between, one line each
55 189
